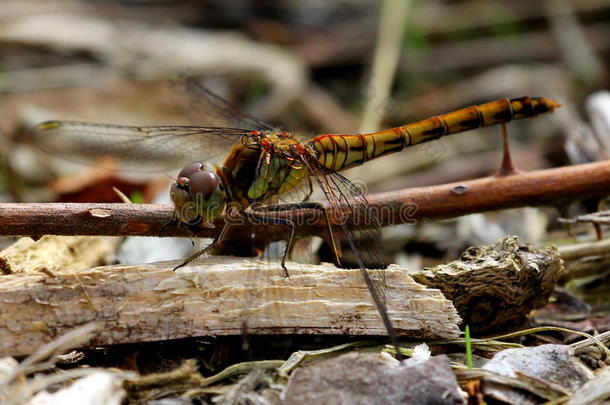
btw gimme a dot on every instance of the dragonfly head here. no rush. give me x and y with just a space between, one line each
198 194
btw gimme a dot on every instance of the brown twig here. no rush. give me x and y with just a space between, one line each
585 249
598 218
549 187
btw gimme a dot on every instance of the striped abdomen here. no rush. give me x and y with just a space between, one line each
338 152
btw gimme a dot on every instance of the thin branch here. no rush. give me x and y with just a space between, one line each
586 249
599 218
549 187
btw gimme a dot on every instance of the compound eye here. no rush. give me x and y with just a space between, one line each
203 182
190 169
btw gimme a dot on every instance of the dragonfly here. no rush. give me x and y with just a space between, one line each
264 163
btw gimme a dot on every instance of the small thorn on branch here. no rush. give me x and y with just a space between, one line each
507 168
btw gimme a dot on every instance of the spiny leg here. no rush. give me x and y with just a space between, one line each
289 246
206 249
376 294
333 242
311 206
263 214
173 222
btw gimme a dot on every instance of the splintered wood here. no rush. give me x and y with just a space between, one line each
217 296
51 253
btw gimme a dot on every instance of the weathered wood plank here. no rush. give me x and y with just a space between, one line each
216 296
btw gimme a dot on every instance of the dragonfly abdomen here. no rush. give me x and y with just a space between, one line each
338 152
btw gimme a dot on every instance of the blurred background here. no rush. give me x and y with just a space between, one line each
313 67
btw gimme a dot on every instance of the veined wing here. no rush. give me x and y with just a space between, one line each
350 208
361 228
212 109
142 148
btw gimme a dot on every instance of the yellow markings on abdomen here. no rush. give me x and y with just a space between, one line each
338 152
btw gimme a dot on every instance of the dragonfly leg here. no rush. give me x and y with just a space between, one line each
307 205
331 235
174 221
333 242
265 215
310 206
289 246
206 249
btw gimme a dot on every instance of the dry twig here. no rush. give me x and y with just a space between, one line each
549 187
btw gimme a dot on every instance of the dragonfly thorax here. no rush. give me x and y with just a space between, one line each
198 195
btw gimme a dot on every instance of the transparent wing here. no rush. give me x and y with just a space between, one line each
298 194
360 224
154 148
139 148
212 109
359 220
